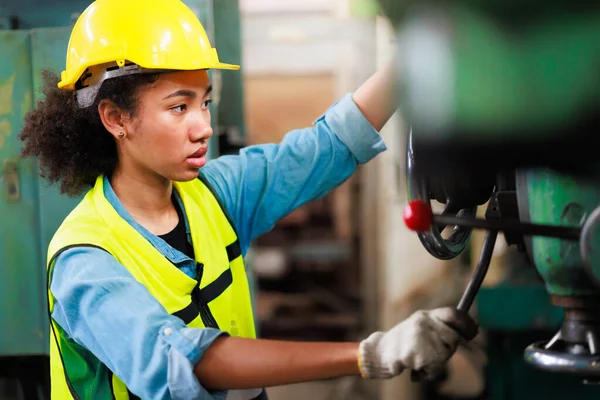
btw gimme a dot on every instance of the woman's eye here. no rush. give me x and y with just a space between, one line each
207 103
180 108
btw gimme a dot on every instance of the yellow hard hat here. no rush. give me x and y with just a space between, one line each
152 34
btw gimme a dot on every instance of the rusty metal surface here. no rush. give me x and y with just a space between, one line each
559 199
577 302
21 269
30 210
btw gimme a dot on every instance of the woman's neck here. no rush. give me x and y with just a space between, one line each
147 199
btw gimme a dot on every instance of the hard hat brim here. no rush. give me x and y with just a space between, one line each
69 84
231 67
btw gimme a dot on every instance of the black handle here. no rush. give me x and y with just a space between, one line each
485 257
524 228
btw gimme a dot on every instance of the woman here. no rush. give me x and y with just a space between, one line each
147 288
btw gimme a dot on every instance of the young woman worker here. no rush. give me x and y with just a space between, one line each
148 295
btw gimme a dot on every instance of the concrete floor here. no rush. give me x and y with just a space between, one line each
336 389
327 390
312 391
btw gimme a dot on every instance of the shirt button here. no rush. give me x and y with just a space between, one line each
168 331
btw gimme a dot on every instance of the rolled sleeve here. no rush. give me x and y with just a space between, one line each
187 347
265 182
352 128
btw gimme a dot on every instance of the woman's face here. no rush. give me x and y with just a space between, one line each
168 135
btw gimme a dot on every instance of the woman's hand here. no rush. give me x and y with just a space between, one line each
422 343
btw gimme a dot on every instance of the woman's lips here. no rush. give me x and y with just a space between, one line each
198 159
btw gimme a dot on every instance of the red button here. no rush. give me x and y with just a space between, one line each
418 215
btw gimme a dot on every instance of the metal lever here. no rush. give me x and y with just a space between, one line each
419 217
483 263
465 303
523 228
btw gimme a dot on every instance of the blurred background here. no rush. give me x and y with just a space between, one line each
335 269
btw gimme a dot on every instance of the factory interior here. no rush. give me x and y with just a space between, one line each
487 197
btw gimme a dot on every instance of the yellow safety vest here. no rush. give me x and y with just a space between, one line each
222 299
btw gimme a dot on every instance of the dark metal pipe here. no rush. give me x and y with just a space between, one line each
528 229
483 264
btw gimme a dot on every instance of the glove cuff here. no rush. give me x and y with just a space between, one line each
369 359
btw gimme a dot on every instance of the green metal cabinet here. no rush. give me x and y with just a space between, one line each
30 210
21 265
47 52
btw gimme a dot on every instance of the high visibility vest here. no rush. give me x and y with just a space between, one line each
221 299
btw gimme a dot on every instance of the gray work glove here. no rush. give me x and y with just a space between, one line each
422 343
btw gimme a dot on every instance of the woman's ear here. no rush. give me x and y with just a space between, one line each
112 118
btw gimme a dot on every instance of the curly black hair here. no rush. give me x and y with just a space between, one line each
72 145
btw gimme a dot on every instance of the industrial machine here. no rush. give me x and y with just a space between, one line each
34 36
503 98
503 101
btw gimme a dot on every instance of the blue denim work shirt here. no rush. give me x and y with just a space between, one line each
103 308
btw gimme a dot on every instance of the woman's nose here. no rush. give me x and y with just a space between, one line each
201 129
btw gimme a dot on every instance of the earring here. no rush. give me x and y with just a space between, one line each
121 134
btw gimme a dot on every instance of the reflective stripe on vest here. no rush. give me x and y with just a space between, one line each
219 297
